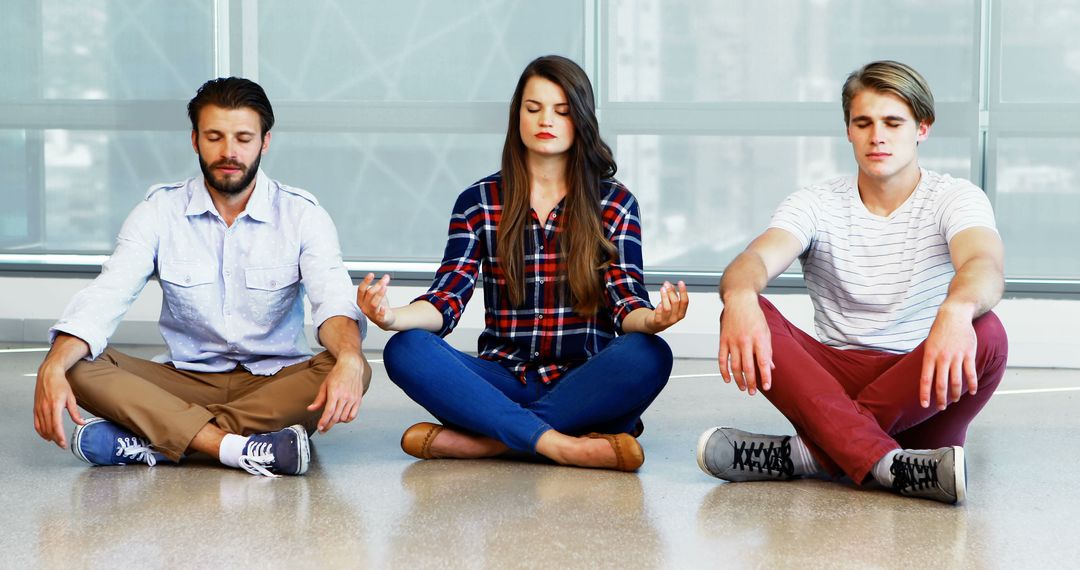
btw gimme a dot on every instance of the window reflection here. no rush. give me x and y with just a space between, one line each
776 50
94 178
372 50
1040 32
98 49
1037 203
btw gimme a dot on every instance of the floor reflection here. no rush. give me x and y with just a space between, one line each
182 516
498 514
811 522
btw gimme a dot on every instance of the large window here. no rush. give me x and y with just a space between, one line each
386 110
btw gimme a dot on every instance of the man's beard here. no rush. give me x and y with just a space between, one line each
224 186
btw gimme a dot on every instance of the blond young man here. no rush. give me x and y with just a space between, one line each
903 265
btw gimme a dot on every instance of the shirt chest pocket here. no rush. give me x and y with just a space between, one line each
188 289
272 291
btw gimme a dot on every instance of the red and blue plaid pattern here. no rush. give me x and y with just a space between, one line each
544 333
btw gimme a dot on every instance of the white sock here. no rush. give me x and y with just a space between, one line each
881 470
805 464
232 446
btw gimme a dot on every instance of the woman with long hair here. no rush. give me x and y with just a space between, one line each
568 359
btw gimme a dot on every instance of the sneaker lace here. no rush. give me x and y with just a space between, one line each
912 473
259 457
770 459
137 449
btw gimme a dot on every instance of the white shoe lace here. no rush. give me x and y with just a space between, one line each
136 449
258 457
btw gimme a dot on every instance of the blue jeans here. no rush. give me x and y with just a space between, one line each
607 394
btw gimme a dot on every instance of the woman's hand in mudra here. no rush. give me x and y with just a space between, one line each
371 298
670 309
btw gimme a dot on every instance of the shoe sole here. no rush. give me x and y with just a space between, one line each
959 474
701 449
303 451
76 439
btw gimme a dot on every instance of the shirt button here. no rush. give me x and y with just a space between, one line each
541 281
187 279
536 354
541 248
540 317
228 273
228 312
273 283
553 215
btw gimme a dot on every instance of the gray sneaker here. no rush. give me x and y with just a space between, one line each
736 455
937 474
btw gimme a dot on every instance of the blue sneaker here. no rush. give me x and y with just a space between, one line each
101 442
278 453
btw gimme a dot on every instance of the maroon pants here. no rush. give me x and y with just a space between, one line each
852 406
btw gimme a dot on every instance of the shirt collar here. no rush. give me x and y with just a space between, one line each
258 206
199 201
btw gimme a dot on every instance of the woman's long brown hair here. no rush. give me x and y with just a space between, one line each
583 245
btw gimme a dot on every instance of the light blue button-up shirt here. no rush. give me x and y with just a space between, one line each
231 294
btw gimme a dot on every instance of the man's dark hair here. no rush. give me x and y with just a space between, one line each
232 93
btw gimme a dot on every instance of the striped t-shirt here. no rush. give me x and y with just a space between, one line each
877 281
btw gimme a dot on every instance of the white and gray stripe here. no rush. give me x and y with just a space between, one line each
877 281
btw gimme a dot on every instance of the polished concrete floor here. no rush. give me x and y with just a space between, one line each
366 504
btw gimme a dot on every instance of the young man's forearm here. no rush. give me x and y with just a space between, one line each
66 351
341 337
746 276
975 289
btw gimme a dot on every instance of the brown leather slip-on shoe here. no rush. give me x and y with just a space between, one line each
629 455
416 441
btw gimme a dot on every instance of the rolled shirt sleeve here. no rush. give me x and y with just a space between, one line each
624 278
323 273
94 313
455 279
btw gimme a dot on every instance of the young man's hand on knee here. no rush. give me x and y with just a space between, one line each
341 393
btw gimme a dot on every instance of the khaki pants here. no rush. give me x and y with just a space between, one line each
169 406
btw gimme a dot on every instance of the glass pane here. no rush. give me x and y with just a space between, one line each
94 178
776 50
1037 205
1042 32
20 28
390 194
15 170
97 49
372 50
703 198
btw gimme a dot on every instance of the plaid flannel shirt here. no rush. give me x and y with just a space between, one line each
544 333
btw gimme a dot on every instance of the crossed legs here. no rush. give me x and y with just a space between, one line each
489 411
180 411
851 407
